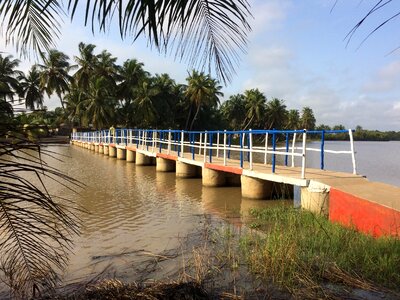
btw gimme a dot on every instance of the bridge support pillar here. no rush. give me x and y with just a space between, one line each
112 151
121 153
106 149
142 159
255 188
315 200
184 170
92 146
101 149
130 156
165 165
96 148
213 178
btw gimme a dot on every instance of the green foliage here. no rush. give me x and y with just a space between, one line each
299 246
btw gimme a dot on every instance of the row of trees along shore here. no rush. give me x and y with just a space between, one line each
95 92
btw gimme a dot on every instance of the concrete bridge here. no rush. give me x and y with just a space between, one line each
266 164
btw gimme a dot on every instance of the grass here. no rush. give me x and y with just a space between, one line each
300 250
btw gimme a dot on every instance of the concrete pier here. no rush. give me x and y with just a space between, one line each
165 165
121 153
101 149
130 156
112 151
184 170
142 159
92 147
213 178
96 148
315 200
255 188
106 149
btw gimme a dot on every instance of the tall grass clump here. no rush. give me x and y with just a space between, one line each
300 249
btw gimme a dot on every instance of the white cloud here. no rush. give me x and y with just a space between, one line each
386 79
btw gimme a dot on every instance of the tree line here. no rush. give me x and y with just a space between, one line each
95 92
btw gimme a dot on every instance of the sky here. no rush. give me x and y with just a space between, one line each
296 52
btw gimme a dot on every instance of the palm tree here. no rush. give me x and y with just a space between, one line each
255 107
202 32
87 62
307 120
293 119
30 89
98 105
202 90
72 100
54 74
276 114
144 102
9 84
234 111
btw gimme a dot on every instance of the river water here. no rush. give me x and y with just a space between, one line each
134 213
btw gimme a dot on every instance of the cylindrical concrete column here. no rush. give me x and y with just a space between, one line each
142 159
101 149
165 165
184 170
92 147
213 178
106 149
130 156
96 148
255 188
121 153
315 200
112 151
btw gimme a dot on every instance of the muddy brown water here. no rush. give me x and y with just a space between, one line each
135 213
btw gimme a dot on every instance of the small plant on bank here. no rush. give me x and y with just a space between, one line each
303 251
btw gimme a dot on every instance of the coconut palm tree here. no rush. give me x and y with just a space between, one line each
144 103
202 90
54 74
9 84
98 104
276 114
307 120
293 119
204 33
30 89
255 107
86 61
234 111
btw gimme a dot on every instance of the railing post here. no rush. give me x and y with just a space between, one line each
303 158
210 150
323 149
225 147
287 149
229 145
273 149
353 155
293 148
154 146
169 142
205 145
217 144
251 149
266 149
241 150
200 142
182 142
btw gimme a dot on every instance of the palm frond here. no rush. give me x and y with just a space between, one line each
31 24
36 228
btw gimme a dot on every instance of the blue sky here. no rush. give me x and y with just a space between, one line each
297 53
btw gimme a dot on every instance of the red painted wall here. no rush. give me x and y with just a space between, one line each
366 216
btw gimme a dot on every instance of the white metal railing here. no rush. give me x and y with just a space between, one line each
232 146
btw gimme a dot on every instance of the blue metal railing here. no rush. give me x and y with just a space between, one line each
247 142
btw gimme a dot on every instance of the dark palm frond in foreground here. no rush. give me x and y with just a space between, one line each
36 228
205 33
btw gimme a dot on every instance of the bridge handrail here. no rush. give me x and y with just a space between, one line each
208 143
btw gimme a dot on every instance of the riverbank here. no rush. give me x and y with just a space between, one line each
292 254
